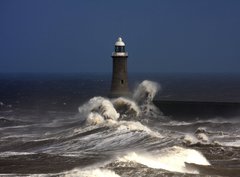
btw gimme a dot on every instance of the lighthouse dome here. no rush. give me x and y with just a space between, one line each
119 42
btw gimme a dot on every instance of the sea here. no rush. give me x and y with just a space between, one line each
66 125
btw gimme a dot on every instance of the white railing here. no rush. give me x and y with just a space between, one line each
120 54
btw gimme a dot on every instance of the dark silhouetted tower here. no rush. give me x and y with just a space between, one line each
119 73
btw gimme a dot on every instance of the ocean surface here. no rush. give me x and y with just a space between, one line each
65 125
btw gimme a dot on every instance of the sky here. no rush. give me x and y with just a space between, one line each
160 35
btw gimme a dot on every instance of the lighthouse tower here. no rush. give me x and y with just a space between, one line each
119 85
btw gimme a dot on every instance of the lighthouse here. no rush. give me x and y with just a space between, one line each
119 85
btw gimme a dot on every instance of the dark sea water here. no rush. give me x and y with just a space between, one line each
65 125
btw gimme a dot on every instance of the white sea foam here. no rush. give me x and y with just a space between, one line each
231 143
81 173
171 159
202 137
101 107
190 139
137 126
90 173
95 118
196 138
177 123
108 111
10 153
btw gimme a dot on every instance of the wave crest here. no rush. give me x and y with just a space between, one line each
126 106
171 159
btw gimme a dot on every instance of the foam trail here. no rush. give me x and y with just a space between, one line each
10 153
98 172
90 173
171 159
233 144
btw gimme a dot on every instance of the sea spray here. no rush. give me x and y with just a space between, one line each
144 95
146 91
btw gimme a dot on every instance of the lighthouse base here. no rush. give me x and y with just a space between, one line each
120 94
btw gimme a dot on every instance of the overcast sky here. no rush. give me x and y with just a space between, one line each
160 35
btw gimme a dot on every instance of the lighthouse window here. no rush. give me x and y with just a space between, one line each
119 48
122 81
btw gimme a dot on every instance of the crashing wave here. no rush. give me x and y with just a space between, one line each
126 106
146 91
144 95
171 159
98 109
200 137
